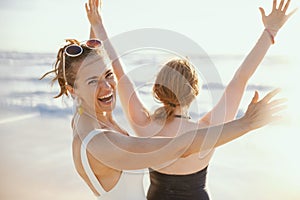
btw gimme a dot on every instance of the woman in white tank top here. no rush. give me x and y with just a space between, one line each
105 156
129 185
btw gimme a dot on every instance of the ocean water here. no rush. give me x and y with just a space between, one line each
260 165
22 90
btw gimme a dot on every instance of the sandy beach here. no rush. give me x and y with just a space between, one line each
36 137
36 163
36 160
35 131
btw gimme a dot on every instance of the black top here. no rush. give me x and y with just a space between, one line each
178 187
182 116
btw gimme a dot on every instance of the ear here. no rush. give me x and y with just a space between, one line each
70 89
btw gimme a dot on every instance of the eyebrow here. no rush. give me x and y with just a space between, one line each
108 71
91 78
96 77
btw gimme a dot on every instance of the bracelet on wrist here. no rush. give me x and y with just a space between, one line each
271 35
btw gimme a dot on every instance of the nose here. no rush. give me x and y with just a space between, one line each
104 85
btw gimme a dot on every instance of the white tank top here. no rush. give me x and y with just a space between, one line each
129 186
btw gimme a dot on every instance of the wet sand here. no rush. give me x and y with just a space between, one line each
36 161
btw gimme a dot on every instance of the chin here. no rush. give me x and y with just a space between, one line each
107 106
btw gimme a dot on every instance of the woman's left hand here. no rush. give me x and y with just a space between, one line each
277 18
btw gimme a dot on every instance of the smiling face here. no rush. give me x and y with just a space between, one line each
96 86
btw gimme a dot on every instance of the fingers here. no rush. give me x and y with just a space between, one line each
289 15
86 8
270 115
255 98
281 5
98 4
273 108
274 4
90 4
270 95
262 11
286 6
95 2
277 102
260 113
278 109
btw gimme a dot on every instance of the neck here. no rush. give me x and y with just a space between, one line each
104 117
105 120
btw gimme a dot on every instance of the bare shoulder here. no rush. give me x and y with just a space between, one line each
204 120
179 126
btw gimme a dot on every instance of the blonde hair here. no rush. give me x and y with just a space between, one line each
176 85
72 65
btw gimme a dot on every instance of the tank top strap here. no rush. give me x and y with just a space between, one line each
84 159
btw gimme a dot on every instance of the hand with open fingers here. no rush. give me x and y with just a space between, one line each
263 112
277 18
92 11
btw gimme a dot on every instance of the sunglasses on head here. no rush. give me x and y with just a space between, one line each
75 50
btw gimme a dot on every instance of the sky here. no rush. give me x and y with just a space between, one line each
218 26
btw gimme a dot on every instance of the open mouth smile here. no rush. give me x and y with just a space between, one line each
106 98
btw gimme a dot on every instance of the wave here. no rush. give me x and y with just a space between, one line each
26 59
26 79
43 102
22 90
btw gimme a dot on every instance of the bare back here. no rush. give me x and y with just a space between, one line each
106 176
187 165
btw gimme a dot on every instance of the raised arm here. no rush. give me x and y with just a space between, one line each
98 4
227 107
132 105
124 152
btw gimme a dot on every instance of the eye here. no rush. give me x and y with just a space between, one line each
109 75
93 82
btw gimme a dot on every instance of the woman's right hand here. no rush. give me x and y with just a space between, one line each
261 113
